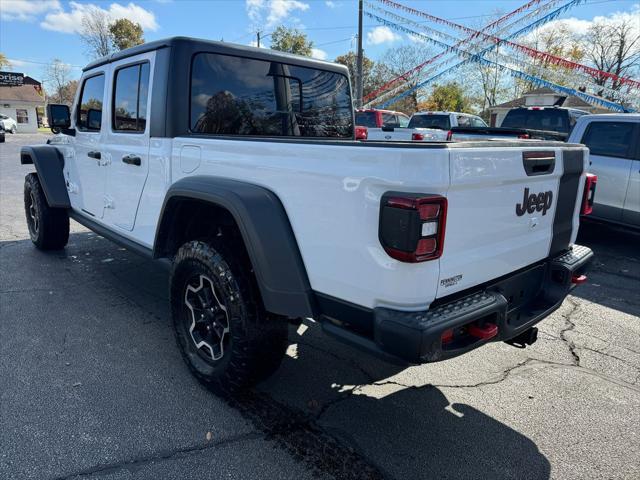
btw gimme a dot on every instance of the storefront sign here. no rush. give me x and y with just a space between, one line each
11 79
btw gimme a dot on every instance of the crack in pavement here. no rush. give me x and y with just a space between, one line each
571 325
134 464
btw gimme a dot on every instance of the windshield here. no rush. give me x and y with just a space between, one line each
366 119
440 122
555 120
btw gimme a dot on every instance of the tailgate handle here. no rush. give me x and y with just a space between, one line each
538 163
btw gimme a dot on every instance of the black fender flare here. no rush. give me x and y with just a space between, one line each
267 234
49 163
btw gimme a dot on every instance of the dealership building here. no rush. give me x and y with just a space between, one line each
22 98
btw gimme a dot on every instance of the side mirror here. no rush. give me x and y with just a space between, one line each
59 116
388 127
94 119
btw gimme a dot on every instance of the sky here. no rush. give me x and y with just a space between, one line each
33 32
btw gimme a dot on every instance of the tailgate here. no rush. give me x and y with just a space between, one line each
508 208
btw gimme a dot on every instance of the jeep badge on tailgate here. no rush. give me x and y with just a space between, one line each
540 202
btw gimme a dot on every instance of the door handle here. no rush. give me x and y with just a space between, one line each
132 160
94 154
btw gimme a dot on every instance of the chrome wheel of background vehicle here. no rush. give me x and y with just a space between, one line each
207 318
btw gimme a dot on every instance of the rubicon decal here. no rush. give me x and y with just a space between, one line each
535 202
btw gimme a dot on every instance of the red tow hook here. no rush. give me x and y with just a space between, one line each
578 279
485 332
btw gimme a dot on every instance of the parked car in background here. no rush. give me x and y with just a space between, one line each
8 124
375 118
427 127
544 120
614 144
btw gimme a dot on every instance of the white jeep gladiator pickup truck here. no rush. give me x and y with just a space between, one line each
238 168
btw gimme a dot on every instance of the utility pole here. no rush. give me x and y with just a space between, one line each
359 74
258 38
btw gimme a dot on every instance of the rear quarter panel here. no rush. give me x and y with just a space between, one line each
331 194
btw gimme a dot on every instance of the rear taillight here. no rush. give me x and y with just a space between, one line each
417 136
524 135
449 135
362 133
589 194
412 226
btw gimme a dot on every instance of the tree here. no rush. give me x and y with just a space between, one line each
60 86
371 79
448 97
397 61
613 45
126 34
95 32
291 40
4 61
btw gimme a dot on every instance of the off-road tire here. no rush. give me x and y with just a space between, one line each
257 340
48 227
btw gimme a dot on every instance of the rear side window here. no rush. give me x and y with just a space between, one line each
403 121
390 120
463 121
243 96
611 139
477 122
441 122
366 119
131 85
550 119
91 100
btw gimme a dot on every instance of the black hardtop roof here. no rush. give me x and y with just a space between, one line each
201 45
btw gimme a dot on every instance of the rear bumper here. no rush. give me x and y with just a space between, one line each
513 304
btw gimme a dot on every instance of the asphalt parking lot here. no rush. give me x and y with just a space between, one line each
92 384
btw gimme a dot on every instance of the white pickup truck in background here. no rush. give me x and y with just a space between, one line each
427 127
614 145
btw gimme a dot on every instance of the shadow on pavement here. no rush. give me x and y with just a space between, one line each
312 408
614 277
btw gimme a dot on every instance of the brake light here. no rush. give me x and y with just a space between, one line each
449 135
361 133
417 136
412 226
524 135
589 193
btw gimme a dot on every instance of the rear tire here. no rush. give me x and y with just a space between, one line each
48 227
225 336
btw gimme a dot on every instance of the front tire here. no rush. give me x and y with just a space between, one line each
226 338
48 227
13 129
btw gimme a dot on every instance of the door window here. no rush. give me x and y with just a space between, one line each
91 100
611 139
131 85
403 121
